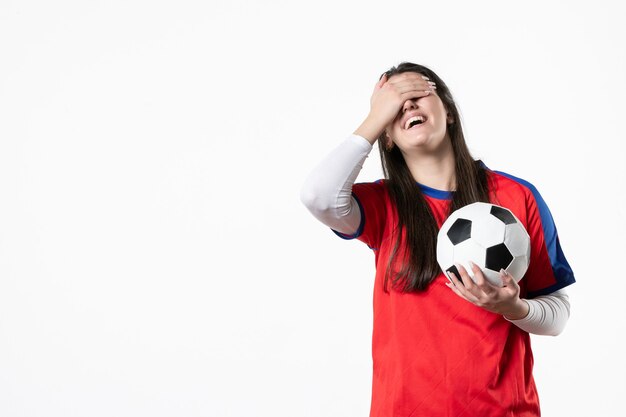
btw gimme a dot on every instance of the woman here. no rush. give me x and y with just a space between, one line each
458 351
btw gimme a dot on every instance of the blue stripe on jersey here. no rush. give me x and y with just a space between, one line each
361 225
441 194
435 193
562 271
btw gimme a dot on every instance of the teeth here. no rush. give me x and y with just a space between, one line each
412 119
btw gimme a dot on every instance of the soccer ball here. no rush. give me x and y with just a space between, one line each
487 234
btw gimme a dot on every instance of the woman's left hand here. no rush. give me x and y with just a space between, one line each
501 300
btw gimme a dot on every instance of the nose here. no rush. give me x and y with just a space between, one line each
409 104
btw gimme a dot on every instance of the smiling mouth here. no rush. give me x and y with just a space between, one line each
416 125
415 121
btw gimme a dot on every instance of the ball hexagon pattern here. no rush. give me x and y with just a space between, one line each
488 235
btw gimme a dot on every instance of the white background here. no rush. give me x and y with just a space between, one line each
155 258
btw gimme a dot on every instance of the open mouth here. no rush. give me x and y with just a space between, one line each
415 122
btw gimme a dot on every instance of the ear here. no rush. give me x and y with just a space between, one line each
388 142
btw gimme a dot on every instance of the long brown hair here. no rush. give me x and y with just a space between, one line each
419 263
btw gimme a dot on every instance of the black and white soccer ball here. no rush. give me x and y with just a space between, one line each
487 234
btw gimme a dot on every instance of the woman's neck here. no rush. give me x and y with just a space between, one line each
435 170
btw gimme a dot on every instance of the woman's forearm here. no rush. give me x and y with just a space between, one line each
327 191
547 314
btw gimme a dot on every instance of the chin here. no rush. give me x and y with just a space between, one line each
418 140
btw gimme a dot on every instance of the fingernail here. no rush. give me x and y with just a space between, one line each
425 77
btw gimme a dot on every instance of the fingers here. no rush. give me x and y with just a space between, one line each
412 82
482 283
382 81
478 286
411 86
462 279
410 75
460 288
465 278
389 97
507 279
481 292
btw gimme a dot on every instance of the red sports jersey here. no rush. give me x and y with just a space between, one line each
436 354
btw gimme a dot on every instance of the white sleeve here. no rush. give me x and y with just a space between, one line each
548 314
327 191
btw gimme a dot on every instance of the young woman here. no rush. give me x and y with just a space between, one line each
439 348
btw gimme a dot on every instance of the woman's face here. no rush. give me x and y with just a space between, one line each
425 137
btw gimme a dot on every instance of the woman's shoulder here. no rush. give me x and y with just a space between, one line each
504 180
377 184
376 189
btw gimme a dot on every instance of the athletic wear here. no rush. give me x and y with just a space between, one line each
327 193
434 353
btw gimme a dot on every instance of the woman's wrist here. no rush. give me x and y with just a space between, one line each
520 311
370 129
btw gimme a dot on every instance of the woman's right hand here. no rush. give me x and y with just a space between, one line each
388 98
